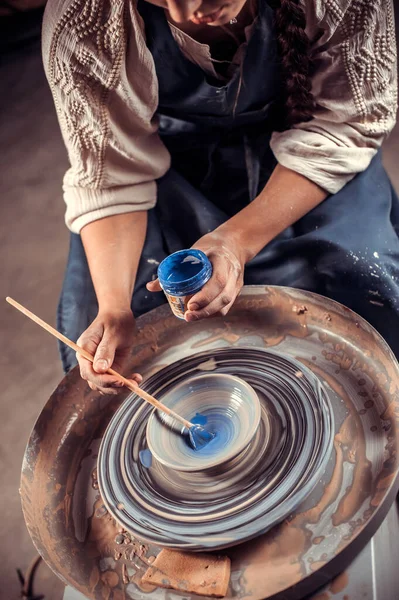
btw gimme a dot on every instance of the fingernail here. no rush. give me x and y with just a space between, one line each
102 364
193 306
191 317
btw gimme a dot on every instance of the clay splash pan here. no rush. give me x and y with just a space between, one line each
191 505
79 539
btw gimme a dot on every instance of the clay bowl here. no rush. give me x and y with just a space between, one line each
224 404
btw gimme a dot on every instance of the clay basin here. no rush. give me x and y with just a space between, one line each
223 404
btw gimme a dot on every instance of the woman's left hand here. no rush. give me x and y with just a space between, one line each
219 293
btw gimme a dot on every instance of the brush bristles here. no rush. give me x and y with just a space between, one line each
199 437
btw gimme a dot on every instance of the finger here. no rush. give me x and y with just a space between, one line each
90 339
137 378
108 391
105 353
102 380
83 362
85 367
226 309
106 382
214 287
154 286
224 300
102 391
112 387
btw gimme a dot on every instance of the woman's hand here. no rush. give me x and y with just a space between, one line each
109 339
219 293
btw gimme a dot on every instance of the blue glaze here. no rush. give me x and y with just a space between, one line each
145 457
199 437
222 426
184 273
199 419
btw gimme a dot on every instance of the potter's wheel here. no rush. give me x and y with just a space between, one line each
241 498
59 485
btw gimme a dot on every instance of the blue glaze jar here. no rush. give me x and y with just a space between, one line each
181 275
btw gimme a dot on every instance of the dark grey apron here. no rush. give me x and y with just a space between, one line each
218 136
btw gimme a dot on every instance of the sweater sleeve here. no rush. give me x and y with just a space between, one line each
355 89
103 82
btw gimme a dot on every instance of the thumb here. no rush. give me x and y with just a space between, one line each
154 286
105 354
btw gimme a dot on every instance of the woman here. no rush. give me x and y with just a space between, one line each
250 130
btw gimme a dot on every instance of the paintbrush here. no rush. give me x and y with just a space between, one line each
198 435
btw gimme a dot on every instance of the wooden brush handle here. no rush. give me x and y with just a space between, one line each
127 382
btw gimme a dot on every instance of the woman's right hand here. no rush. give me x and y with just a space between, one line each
109 339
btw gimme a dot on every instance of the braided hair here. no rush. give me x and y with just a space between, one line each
296 100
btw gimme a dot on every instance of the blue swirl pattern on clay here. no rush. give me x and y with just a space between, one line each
245 496
230 408
221 425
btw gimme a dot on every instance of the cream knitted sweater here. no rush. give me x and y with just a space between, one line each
103 81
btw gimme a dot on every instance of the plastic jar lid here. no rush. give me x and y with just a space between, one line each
184 272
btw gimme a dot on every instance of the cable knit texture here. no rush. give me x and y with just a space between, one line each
355 87
105 92
103 81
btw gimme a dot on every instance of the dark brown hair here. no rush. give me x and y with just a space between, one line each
296 102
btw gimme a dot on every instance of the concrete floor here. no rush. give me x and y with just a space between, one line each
34 246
